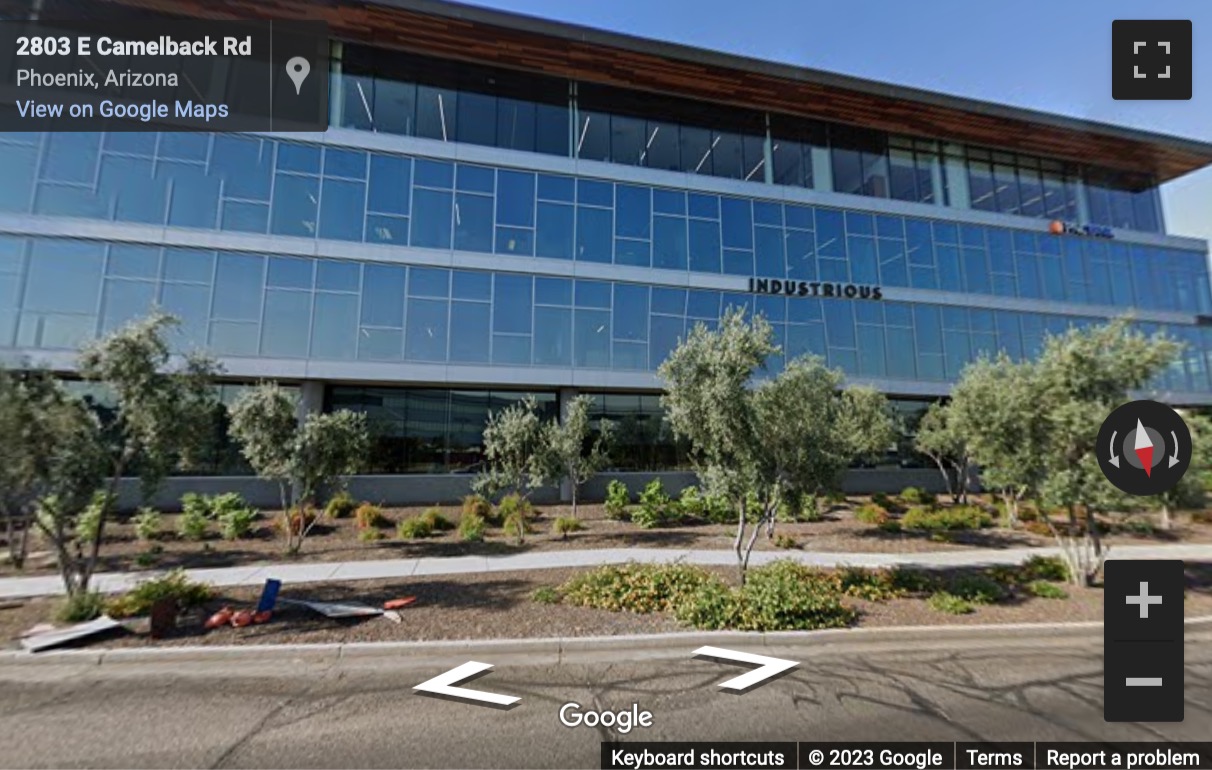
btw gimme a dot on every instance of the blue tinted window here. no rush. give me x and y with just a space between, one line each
703 304
288 273
294 209
799 216
515 240
704 206
124 260
19 164
557 188
431 173
341 213
804 310
864 264
859 224
473 222
669 248
591 338
304 158
469 285
839 324
338 276
767 213
476 178
946 233
70 157
552 291
194 201
630 312
347 163
950 275
380 344
595 193
554 233
284 332
633 212
511 349
515 199
134 192
390 183
628 251
670 301
665 333
668 201
425 332
244 165
830 238
431 217
243 217
737 223
594 235
889 227
929 334
334 333
704 246
191 304
428 282
383 295
470 332
512 304
553 336
774 309
737 262
893 271
593 294
64 276
184 146
238 283
801 257
770 261
188 265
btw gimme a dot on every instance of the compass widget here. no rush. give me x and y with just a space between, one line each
1144 448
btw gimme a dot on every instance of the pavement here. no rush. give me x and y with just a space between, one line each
329 572
1018 684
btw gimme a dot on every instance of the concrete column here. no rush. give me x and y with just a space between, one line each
1083 201
822 170
311 398
564 399
956 176
336 87
768 155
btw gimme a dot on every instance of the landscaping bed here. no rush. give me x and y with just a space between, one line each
856 526
567 603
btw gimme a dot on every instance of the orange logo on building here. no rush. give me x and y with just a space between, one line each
1057 227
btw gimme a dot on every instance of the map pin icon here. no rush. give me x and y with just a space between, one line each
297 69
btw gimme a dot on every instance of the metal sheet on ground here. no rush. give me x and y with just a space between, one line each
45 641
336 609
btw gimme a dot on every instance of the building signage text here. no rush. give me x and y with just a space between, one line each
814 289
1072 228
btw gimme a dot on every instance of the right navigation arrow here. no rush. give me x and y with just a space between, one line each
768 667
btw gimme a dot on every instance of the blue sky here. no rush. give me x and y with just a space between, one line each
1053 56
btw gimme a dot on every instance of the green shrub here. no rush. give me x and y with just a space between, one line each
149 558
1044 568
957 517
472 527
80 608
341 505
1138 527
655 509
516 525
1045 590
195 504
514 504
785 541
219 505
913 581
884 501
414 528
719 510
692 503
872 514
892 527
640 588
836 497
89 521
617 500
193 523
545 595
780 596
876 585
237 523
809 509
565 524
477 505
917 496
139 600
369 516
437 521
949 604
148 523
977 588
371 535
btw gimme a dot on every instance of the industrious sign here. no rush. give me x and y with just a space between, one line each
814 289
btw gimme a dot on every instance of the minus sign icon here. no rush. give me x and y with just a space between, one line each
1143 681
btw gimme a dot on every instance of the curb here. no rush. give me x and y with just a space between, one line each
553 651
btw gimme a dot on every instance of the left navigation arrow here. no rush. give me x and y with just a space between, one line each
443 686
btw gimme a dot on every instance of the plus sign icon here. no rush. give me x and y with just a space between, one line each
1151 59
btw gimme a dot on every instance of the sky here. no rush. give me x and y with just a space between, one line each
1052 55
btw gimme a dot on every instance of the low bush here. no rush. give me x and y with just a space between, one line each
617 499
957 517
371 535
472 527
640 588
949 604
477 505
785 541
565 524
175 584
414 528
692 503
917 496
195 504
297 520
193 524
719 511
1137 527
437 521
516 525
1045 590
148 524
220 505
237 523
977 588
149 558
884 501
515 504
836 497
1051 568
80 608
892 527
872 514
341 505
809 509
656 509
89 520
913 581
370 516
783 595
545 595
876 585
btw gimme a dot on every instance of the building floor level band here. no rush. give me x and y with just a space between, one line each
506 205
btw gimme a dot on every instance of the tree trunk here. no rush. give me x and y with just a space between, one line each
111 498
757 530
574 502
741 561
942 468
1167 522
1010 500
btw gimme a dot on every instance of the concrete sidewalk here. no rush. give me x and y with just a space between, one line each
327 572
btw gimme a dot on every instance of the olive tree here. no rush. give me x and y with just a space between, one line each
1191 490
567 454
304 457
513 450
773 440
939 439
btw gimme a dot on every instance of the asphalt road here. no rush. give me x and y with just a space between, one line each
366 715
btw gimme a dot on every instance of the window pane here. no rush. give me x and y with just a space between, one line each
554 236
132 261
627 138
338 276
515 240
296 200
335 327
191 304
591 342
233 338
380 344
552 291
238 285
594 235
704 246
383 296
630 312
473 222
426 330
288 273
390 181
469 285
553 336
669 243
593 136
287 319
634 211
469 332
431 217
342 213
428 282
515 198
512 304
516 125
477 119
436 111
737 223
124 301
